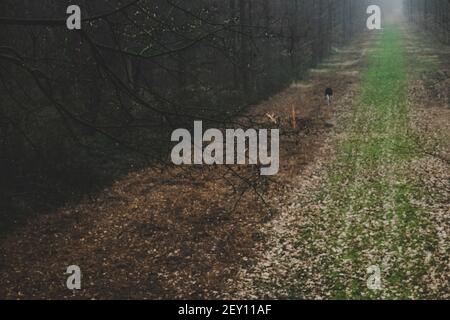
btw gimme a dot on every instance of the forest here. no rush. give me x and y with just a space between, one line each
86 119
432 15
80 107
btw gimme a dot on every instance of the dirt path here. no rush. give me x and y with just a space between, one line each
375 205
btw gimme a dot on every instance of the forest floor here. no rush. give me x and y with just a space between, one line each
363 183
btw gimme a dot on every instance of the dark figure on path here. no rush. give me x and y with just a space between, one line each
329 95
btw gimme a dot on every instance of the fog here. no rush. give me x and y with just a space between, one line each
392 10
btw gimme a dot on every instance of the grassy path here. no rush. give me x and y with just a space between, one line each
375 205
367 209
372 197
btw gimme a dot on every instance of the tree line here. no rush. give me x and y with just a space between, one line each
432 15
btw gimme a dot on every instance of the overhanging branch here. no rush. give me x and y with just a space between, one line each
59 22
